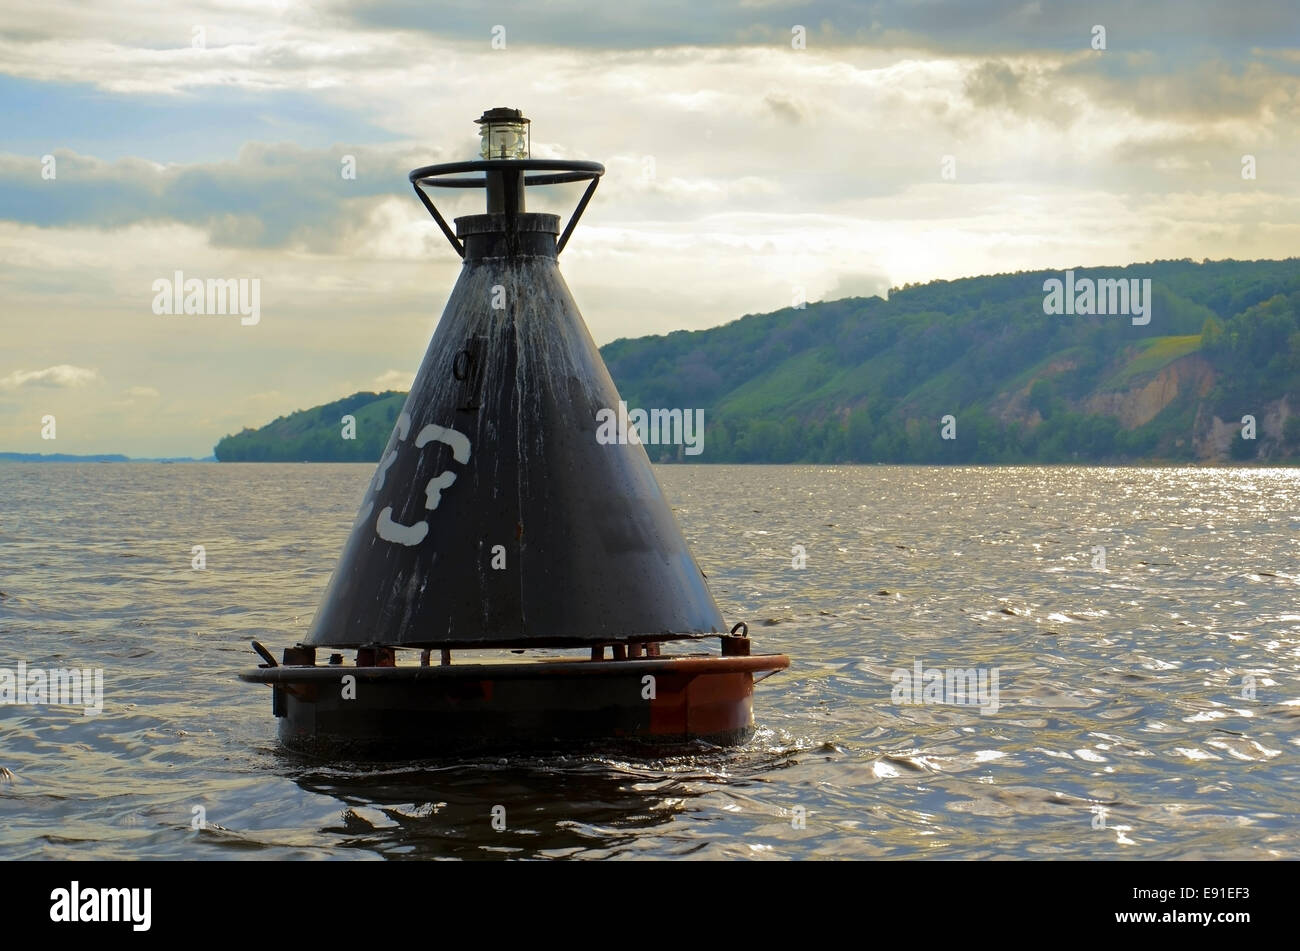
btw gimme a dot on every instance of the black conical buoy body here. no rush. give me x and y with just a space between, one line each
502 516
495 515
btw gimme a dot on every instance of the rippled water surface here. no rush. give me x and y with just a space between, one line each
1149 709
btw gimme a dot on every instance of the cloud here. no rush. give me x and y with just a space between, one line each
63 376
310 41
783 107
394 380
1206 89
964 26
996 84
859 285
270 196
728 128
143 392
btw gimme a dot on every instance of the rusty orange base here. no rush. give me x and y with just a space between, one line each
654 702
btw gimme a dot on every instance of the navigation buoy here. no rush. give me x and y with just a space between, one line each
496 520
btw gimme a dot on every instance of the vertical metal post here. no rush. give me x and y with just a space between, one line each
505 192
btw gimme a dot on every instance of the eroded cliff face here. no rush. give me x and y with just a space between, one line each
1189 379
1191 375
1013 405
1192 378
1213 437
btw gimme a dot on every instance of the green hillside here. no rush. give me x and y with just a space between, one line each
869 380
316 435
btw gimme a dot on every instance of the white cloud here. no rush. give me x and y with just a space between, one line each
394 380
63 376
143 392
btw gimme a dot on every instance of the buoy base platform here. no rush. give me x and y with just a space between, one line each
380 710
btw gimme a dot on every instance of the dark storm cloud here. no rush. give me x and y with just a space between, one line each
954 26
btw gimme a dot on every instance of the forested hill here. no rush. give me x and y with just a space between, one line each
319 434
873 380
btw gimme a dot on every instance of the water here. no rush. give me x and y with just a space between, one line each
1126 725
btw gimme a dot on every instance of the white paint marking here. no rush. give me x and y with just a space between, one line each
391 531
433 491
411 535
382 472
458 442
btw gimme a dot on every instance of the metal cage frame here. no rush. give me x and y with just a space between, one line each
564 170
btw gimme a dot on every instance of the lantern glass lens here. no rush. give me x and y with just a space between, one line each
503 140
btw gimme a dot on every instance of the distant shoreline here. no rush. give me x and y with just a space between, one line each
1129 464
93 457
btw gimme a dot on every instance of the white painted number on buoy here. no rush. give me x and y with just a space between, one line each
433 491
411 535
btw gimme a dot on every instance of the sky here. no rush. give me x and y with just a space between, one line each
755 152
